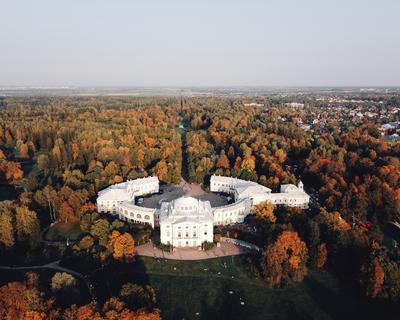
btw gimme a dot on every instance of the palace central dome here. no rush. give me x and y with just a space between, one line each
186 203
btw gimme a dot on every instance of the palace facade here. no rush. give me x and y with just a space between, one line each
119 199
186 222
290 195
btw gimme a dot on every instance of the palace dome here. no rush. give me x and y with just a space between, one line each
186 203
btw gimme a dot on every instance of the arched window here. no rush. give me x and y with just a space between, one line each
146 217
139 216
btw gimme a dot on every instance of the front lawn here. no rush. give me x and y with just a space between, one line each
207 290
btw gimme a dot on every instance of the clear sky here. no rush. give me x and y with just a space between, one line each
200 43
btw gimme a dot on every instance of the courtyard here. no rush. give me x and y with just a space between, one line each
171 192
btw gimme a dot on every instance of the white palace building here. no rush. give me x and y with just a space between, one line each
290 195
187 221
120 199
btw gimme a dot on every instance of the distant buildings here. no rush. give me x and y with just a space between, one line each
294 105
391 130
253 104
186 221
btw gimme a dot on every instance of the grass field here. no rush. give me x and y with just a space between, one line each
206 290
62 231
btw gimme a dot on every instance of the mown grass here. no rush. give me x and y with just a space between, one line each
62 231
185 290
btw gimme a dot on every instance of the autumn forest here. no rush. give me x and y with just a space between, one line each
56 153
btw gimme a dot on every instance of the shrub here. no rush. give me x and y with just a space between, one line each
207 245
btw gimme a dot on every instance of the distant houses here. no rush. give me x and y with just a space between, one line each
253 104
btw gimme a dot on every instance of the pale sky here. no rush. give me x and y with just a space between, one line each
200 43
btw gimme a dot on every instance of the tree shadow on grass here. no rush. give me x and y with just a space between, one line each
108 280
226 305
345 303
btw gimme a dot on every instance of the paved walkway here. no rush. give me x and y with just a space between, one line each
225 249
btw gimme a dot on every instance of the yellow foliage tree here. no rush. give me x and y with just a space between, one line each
122 246
248 163
27 225
265 211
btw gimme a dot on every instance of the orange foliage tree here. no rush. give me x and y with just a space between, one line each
24 301
372 277
122 246
24 151
285 260
113 309
322 255
66 212
223 161
161 171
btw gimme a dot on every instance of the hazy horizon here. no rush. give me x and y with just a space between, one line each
200 44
